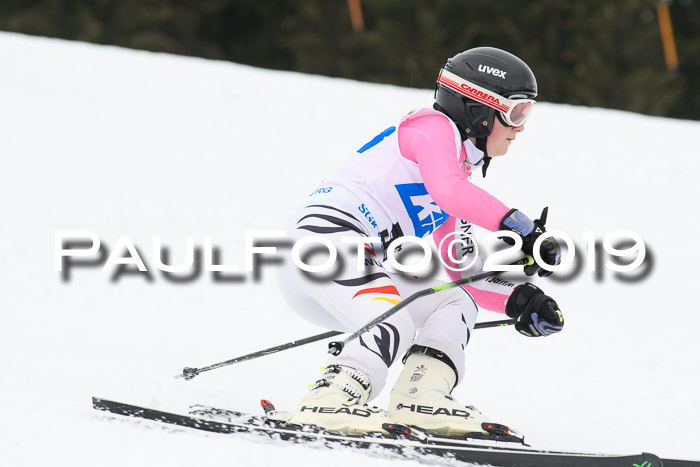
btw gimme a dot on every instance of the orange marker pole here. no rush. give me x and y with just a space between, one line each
666 35
358 23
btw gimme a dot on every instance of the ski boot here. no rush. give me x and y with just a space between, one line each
337 403
421 398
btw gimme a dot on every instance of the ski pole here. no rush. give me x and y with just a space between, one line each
336 347
189 373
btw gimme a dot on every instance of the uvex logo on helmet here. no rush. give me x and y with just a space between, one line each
494 71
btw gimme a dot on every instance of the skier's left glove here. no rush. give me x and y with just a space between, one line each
529 231
536 313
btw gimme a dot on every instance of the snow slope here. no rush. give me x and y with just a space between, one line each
142 145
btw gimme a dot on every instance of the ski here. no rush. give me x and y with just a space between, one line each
403 442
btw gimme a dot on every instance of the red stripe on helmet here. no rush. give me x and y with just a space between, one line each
473 93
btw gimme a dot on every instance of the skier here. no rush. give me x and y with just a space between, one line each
413 179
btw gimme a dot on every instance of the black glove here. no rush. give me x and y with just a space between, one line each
529 231
537 314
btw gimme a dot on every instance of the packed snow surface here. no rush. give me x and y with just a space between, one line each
133 144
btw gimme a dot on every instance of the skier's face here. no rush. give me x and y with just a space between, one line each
501 138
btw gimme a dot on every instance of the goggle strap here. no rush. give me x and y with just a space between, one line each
475 92
482 95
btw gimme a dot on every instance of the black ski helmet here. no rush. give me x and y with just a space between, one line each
494 69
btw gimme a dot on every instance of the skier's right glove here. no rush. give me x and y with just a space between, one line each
529 231
536 313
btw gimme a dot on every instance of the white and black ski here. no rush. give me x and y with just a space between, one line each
402 441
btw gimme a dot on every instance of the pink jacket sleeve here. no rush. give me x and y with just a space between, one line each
489 294
429 140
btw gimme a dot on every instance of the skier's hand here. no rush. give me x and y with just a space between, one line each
529 231
536 313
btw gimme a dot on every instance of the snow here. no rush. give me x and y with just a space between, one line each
135 144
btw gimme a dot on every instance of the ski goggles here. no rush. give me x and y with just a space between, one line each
514 111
